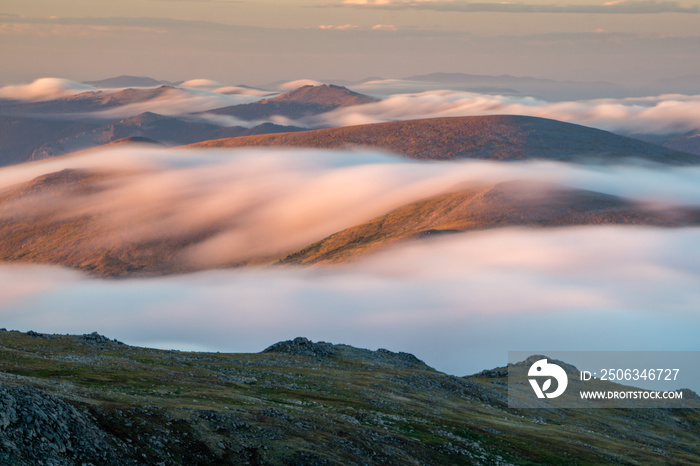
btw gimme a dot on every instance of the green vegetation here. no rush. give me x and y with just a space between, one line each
298 403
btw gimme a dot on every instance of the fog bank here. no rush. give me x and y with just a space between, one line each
459 303
661 114
266 203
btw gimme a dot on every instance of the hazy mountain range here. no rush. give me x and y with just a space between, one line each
541 88
41 224
38 130
127 81
32 130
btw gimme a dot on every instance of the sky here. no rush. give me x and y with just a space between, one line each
257 42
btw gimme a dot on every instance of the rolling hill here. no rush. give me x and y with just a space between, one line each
51 232
687 142
500 205
501 137
38 130
21 136
56 219
85 102
299 103
170 131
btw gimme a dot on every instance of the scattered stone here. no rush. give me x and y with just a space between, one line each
303 347
36 428
95 337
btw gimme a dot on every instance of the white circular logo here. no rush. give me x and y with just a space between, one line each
544 369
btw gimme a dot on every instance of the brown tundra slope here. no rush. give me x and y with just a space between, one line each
57 219
501 205
500 137
39 224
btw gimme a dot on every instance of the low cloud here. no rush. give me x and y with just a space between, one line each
247 204
459 303
658 114
73 30
217 87
343 27
44 89
192 96
181 101
291 85
384 27
614 7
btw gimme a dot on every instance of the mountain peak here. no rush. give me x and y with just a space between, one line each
302 102
325 94
125 81
301 346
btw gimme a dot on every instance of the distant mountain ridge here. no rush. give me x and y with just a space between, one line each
170 131
302 102
86 102
685 142
499 137
20 137
126 81
39 130
548 89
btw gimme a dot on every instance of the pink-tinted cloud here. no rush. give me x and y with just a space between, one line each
656 114
73 30
271 203
628 7
459 303
44 89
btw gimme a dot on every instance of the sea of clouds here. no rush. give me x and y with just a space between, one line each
189 97
460 303
661 114
656 114
273 202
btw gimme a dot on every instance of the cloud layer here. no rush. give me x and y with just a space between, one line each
458 303
44 89
253 203
656 114
192 96
627 7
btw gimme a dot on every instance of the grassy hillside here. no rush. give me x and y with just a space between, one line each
73 399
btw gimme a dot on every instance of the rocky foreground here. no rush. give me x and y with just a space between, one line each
89 400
